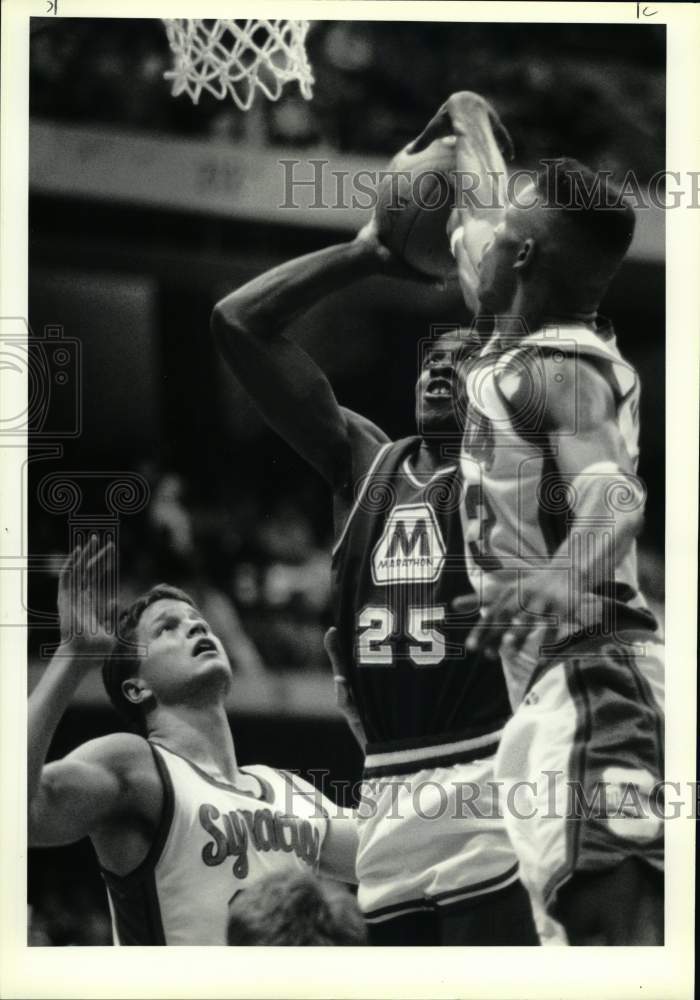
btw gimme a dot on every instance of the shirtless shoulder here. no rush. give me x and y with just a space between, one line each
549 391
123 840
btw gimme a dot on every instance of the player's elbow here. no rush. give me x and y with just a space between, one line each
228 326
235 321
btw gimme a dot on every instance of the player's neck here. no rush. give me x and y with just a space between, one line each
522 326
534 308
202 734
570 317
435 450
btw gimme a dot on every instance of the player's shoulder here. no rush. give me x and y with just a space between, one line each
554 387
533 366
362 427
123 753
576 356
366 441
261 771
273 778
293 787
386 464
278 775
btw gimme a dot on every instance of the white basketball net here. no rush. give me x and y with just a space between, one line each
236 57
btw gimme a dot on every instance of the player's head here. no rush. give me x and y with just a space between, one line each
177 659
440 399
295 909
559 246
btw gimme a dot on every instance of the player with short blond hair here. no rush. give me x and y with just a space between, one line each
178 826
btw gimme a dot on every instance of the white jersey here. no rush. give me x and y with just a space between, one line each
213 841
517 511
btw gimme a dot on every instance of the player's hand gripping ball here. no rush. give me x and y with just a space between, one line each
414 202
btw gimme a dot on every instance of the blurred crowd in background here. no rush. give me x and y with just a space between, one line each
262 583
378 83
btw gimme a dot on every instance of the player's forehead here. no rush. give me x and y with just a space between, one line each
164 608
453 344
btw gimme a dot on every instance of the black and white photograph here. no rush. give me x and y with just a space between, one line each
349 443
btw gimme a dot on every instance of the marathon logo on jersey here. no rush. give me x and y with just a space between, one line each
234 832
411 548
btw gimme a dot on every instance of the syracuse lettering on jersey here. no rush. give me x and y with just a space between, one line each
267 831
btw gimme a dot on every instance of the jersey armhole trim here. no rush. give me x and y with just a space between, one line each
358 500
318 806
148 865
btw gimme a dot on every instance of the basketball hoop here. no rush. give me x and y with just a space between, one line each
237 57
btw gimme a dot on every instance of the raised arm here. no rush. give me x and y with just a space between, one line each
74 797
290 390
481 143
339 851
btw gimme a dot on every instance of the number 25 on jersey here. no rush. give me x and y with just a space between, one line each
426 645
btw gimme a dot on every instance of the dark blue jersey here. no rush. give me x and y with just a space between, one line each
397 567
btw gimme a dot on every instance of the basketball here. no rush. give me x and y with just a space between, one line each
413 205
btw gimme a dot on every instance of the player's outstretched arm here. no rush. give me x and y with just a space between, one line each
339 850
339 847
72 797
289 388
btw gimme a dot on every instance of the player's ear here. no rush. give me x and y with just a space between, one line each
525 255
135 690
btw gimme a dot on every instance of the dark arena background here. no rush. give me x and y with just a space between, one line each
145 209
